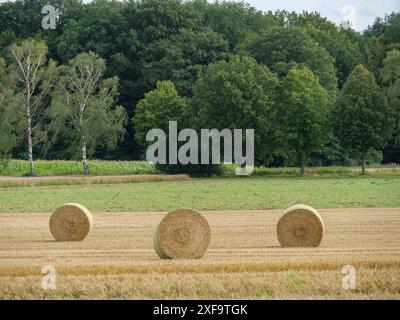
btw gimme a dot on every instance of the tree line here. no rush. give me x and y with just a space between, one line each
315 93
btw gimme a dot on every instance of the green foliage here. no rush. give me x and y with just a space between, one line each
304 112
281 49
160 19
28 19
387 28
390 74
235 21
99 29
363 118
143 42
194 170
346 53
8 117
19 168
83 108
339 43
158 108
373 157
239 94
181 57
7 38
32 78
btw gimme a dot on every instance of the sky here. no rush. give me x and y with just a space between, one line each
361 13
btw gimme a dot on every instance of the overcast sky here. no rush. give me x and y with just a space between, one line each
361 12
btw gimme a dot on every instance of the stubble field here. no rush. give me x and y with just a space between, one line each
244 259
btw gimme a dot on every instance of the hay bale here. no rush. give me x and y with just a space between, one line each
182 234
300 226
70 222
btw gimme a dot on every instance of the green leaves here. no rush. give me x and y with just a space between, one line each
239 94
390 74
159 106
363 118
304 112
282 48
132 45
83 107
8 116
181 57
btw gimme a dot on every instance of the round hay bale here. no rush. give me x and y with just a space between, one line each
182 234
70 222
300 226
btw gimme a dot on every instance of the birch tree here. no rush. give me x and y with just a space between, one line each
34 79
83 108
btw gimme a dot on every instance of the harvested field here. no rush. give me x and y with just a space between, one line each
28 181
244 259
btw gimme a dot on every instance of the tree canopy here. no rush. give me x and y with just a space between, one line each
83 112
364 119
281 49
239 93
225 63
305 113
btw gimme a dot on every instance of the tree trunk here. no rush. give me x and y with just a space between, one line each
363 163
84 157
303 163
32 171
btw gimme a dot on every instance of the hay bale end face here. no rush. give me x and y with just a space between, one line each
70 222
300 226
182 234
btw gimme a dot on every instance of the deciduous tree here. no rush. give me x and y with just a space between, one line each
83 107
280 49
239 94
158 107
305 110
34 81
363 118
390 74
8 117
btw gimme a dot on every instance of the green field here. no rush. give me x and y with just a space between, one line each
208 194
20 168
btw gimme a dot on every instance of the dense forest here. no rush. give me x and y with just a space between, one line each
315 93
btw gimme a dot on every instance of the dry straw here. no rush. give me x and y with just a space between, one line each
182 234
70 222
300 226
